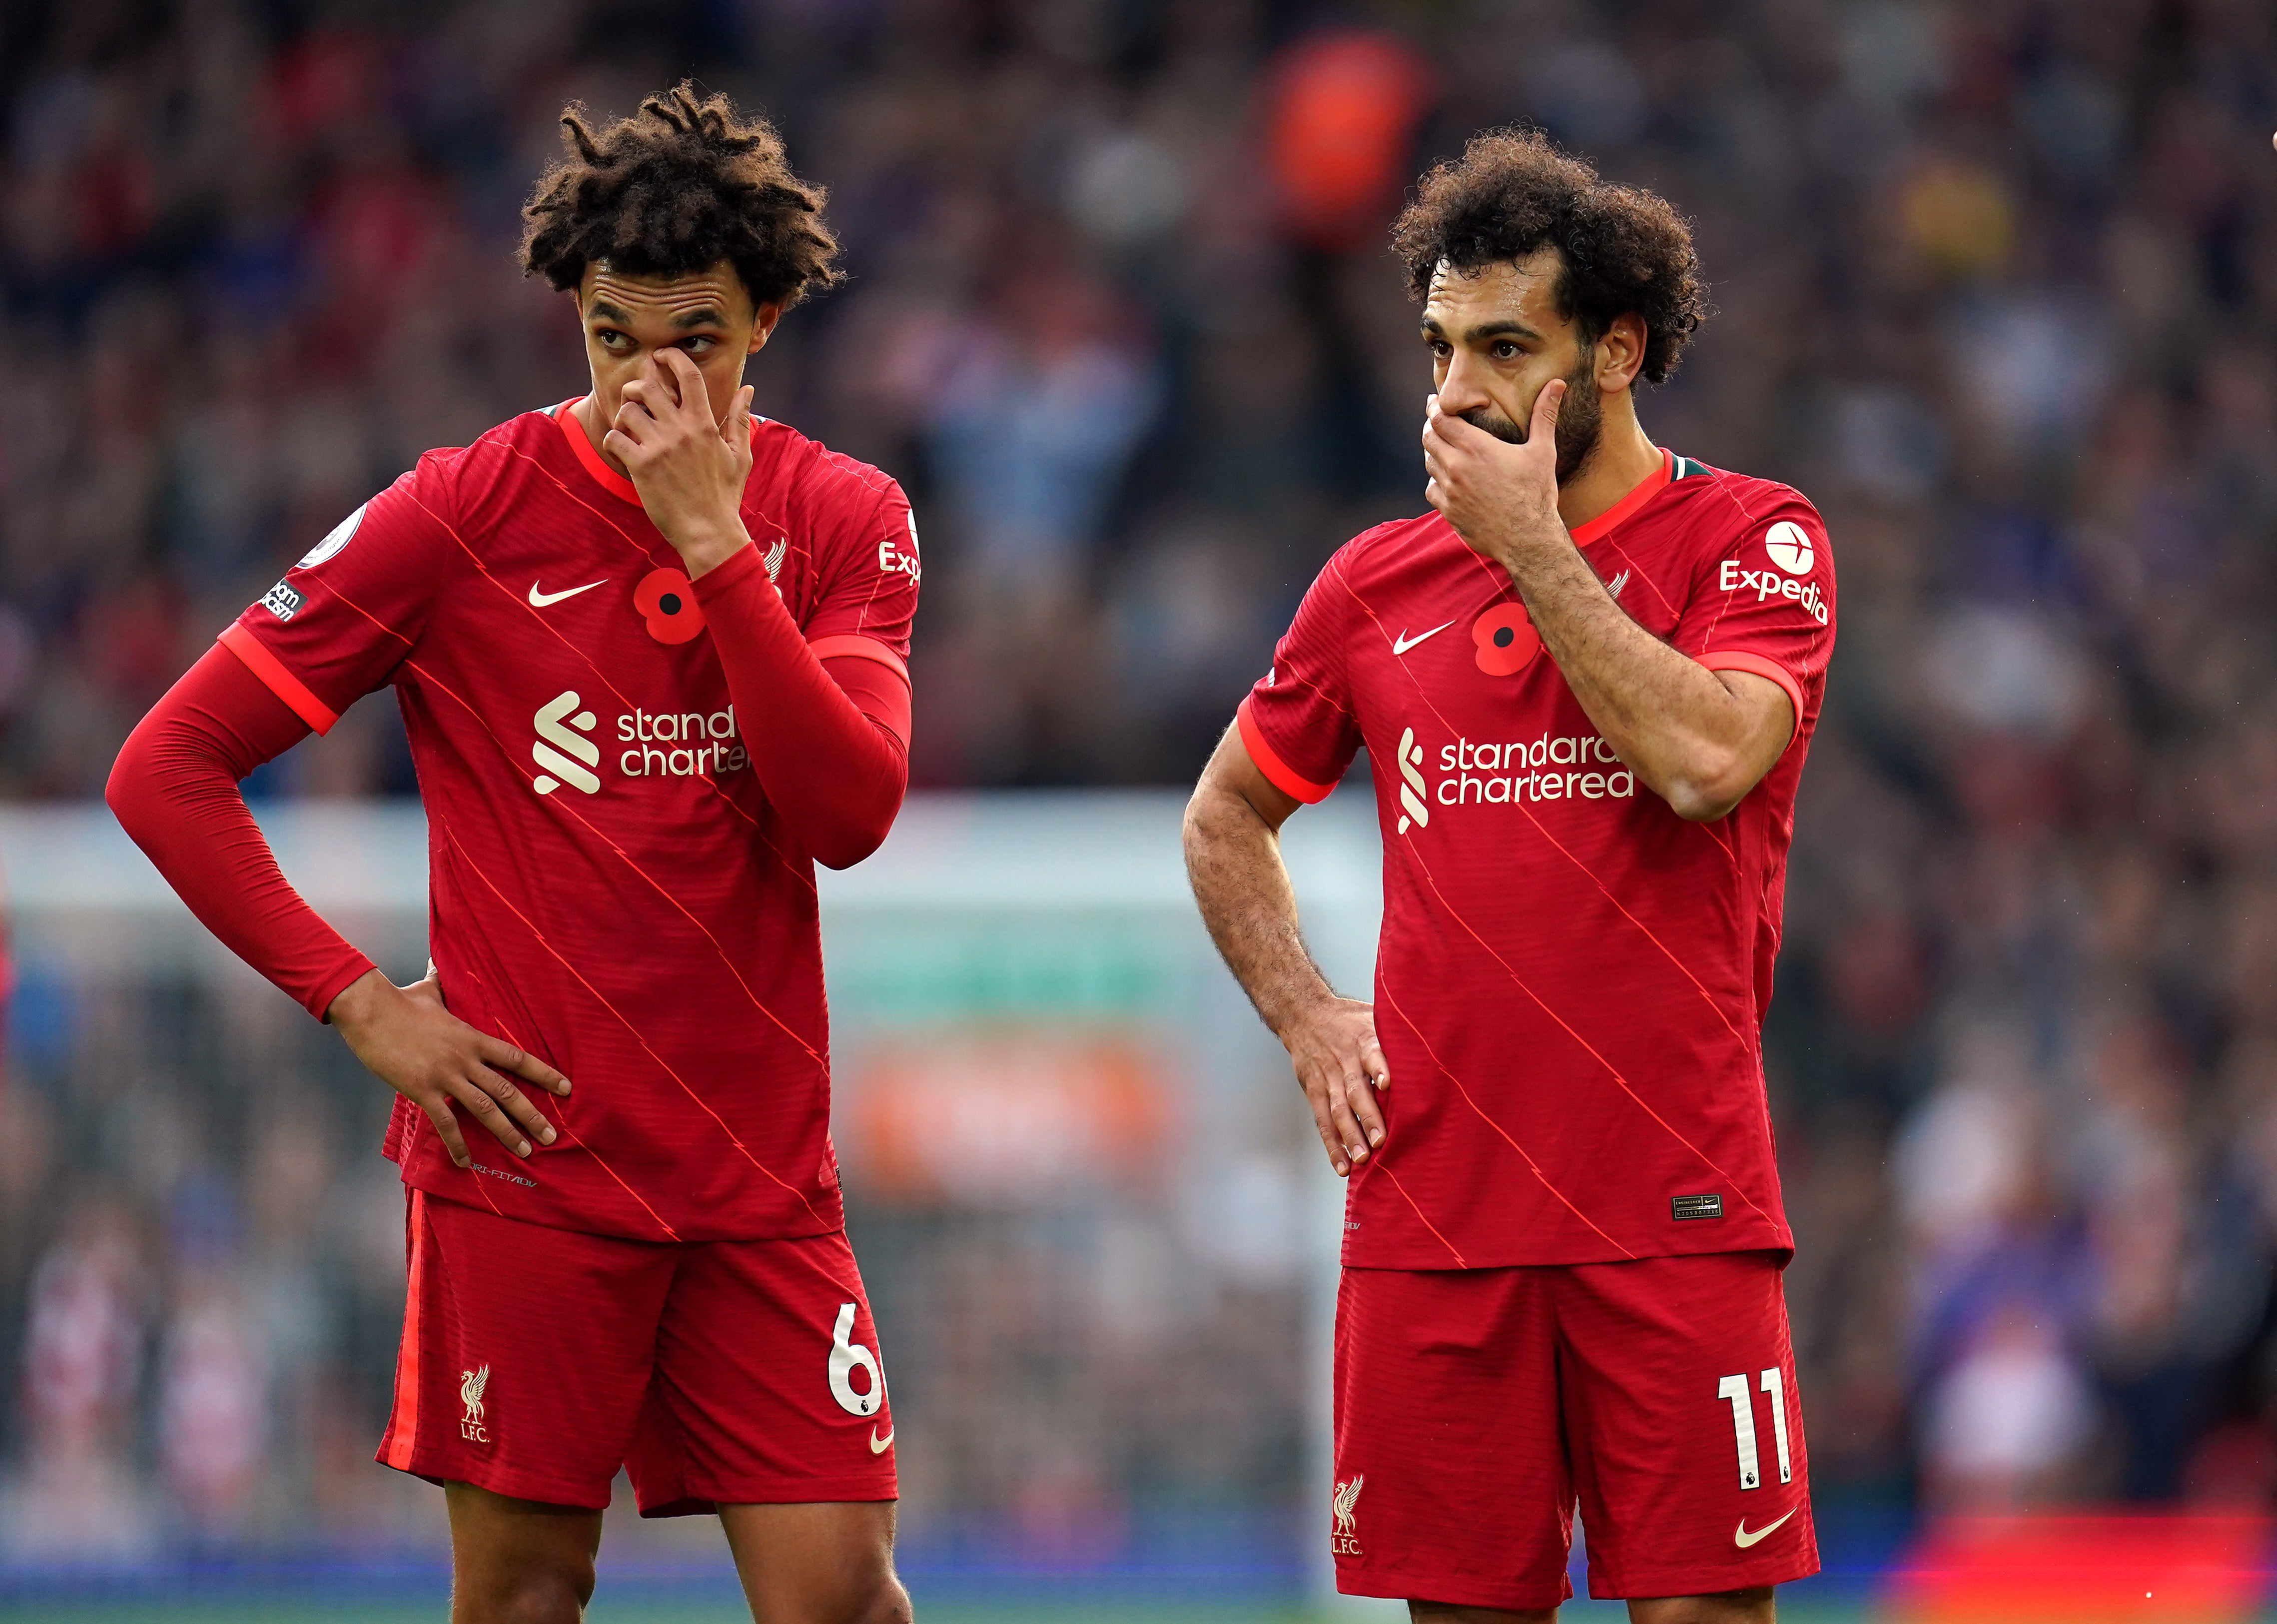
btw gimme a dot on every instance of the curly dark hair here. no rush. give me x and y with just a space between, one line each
680 185
1622 251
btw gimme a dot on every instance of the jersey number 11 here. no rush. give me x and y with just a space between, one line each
1734 1388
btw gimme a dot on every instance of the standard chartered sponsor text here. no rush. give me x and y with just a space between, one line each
702 743
1550 768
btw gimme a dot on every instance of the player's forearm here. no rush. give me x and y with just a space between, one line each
1233 860
174 790
1675 723
836 776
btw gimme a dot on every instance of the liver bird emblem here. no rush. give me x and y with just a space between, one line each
1346 1498
775 555
471 1383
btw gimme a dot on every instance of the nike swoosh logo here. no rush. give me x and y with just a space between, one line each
1401 644
1743 1539
538 600
880 1445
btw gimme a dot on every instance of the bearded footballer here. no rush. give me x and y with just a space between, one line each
1586 683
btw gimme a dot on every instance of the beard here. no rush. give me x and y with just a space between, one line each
1580 418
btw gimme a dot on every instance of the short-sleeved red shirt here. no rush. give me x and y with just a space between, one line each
609 887
1570 979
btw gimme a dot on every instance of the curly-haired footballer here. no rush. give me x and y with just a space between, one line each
650 652
1586 683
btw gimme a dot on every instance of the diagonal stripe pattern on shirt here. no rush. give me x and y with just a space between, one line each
1583 973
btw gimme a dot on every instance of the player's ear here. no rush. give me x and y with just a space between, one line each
1620 353
762 326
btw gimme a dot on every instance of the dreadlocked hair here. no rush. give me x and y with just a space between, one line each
678 186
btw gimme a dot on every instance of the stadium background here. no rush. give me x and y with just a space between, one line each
1998 291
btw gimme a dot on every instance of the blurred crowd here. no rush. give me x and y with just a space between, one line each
1998 289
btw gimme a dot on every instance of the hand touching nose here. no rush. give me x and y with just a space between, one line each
689 467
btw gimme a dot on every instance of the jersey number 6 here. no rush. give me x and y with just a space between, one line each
846 1357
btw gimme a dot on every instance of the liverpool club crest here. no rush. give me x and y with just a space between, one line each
471 1383
1343 1539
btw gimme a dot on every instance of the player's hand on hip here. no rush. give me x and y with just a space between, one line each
407 1040
1496 495
1341 1068
688 467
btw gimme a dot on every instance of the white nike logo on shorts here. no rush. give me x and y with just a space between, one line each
538 600
880 1445
1743 1539
1401 644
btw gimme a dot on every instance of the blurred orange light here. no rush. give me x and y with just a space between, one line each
1005 1119
1341 119
2083 1570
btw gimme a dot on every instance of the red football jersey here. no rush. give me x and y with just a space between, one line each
1570 979
609 888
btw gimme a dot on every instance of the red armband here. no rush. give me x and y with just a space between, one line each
834 756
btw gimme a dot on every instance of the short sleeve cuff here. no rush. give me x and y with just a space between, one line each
277 678
1277 771
1770 670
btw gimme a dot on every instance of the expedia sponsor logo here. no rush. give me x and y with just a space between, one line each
894 561
1735 577
1548 769
663 744
1786 545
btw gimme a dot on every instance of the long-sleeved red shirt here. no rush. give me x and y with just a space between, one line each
834 761
629 779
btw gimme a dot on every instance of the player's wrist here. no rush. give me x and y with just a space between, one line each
1299 1010
359 1002
705 547
1521 547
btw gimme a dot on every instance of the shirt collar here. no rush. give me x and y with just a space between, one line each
603 476
1606 523
606 477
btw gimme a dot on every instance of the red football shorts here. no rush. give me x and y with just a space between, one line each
1475 1405
536 1361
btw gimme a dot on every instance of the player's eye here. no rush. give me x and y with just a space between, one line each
1505 351
698 345
612 340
